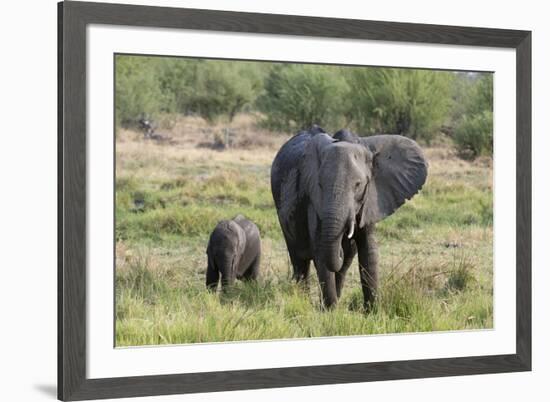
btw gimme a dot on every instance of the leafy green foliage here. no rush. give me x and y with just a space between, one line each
299 96
473 134
416 103
146 86
409 102
137 89
215 88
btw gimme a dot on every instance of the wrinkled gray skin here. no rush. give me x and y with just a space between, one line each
329 193
234 251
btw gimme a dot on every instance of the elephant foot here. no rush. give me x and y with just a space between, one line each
369 304
329 305
330 298
303 285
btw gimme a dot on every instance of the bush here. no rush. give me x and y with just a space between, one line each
148 86
413 103
299 96
483 95
218 88
473 135
137 90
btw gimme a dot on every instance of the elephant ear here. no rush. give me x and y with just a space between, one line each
399 171
240 237
294 174
309 168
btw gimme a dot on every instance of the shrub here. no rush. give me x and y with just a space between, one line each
221 88
473 135
148 86
299 96
482 98
137 90
414 103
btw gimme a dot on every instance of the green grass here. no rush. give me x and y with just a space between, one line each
435 254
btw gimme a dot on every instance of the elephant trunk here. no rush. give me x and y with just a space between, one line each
333 228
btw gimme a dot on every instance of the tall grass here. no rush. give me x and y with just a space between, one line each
167 307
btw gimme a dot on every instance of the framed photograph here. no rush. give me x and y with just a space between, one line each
256 201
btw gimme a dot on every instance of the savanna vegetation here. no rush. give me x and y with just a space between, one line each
288 97
435 252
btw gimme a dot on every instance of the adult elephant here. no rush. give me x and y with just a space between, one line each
329 193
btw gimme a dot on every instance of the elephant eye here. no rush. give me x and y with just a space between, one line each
357 185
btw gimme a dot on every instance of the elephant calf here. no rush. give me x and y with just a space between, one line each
233 251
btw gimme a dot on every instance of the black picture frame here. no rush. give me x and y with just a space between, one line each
73 18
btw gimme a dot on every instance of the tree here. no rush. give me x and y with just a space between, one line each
473 135
222 88
137 90
209 88
409 102
299 96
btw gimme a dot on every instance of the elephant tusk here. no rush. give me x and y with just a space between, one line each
350 234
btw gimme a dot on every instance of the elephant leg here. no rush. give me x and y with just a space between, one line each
301 271
300 268
350 249
212 275
340 278
253 271
328 287
368 264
